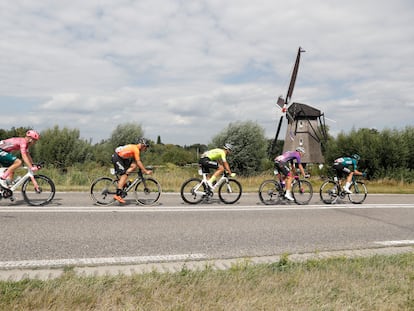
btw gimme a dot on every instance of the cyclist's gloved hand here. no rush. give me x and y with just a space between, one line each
34 168
364 175
233 174
307 175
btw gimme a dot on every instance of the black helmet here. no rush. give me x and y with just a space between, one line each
144 142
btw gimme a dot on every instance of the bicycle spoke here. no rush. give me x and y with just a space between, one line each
103 190
302 192
269 192
149 192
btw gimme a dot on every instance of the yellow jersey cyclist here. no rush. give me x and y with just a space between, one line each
216 159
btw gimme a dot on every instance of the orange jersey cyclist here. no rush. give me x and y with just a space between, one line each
127 159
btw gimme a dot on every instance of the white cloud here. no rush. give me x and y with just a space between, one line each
186 70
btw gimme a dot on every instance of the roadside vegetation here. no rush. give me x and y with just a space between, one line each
375 283
73 163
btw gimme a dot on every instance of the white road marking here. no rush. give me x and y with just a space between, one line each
191 208
99 261
395 243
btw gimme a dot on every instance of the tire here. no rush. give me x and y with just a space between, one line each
329 192
269 192
230 192
149 193
41 196
103 190
359 192
188 192
302 192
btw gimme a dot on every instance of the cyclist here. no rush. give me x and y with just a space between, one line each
283 163
127 159
216 159
347 166
10 161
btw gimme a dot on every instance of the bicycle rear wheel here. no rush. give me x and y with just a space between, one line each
302 192
230 192
193 191
148 192
41 195
103 190
329 192
359 192
269 192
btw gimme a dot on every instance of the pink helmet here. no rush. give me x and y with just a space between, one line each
33 134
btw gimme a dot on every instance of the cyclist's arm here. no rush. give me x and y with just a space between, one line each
227 167
302 171
27 159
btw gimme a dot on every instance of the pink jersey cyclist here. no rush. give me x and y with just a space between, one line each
9 160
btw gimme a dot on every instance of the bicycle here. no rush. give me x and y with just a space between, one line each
195 189
331 190
273 191
147 189
37 189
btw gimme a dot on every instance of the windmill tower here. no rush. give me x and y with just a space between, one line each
306 128
306 124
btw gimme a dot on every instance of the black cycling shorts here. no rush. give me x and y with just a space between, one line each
206 164
120 164
282 167
341 170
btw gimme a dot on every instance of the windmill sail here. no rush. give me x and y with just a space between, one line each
283 103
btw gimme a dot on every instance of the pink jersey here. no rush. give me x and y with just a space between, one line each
14 144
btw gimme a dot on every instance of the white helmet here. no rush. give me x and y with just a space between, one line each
300 149
228 146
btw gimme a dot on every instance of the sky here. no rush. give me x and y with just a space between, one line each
185 70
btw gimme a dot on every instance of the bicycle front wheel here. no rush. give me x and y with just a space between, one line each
359 192
39 193
103 190
193 191
269 192
230 191
148 192
302 192
329 192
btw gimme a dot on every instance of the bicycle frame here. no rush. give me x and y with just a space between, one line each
23 178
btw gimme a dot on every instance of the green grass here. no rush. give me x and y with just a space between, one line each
171 178
375 283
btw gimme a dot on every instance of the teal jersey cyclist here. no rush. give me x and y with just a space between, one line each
216 159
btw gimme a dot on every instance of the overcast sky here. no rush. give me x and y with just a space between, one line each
184 70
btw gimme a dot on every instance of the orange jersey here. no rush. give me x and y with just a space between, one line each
129 151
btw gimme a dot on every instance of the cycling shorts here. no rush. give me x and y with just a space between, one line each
341 170
121 164
206 164
6 158
282 167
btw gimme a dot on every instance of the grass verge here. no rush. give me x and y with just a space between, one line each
374 283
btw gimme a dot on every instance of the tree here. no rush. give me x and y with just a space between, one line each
250 146
127 133
62 147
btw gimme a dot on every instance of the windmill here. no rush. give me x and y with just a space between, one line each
306 124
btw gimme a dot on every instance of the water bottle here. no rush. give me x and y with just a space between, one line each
283 184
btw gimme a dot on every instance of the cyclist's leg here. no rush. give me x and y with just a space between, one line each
121 166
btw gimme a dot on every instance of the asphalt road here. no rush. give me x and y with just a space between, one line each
71 227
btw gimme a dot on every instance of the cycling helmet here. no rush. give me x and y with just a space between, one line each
300 149
144 142
356 157
33 134
228 146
